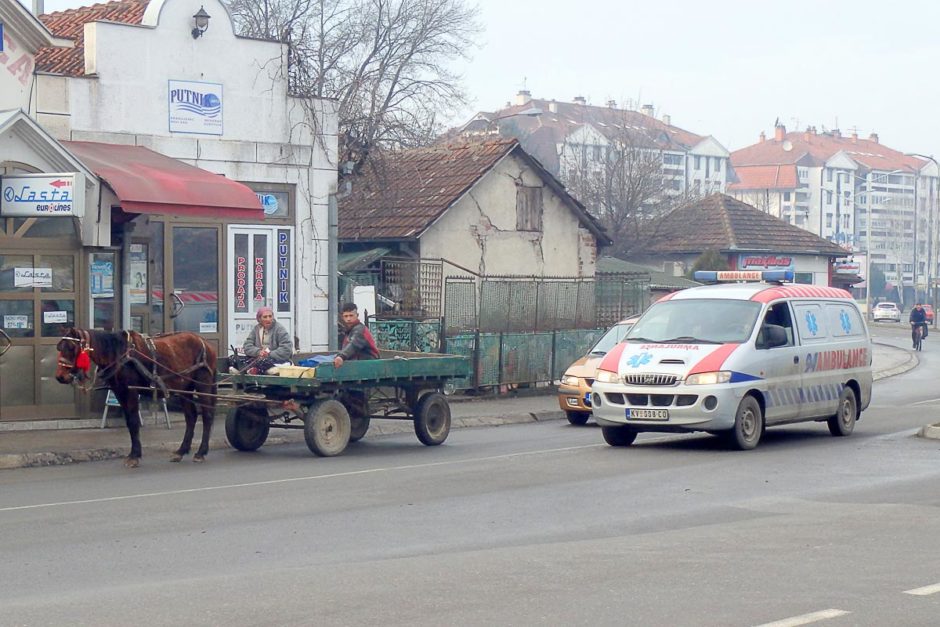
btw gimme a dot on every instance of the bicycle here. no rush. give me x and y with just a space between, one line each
917 335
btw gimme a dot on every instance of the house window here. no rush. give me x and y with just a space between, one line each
803 174
717 165
828 220
828 175
786 196
671 159
528 208
698 163
597 153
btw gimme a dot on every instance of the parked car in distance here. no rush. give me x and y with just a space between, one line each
575 389
929 310
886 311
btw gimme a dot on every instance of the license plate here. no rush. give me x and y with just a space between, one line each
587 399
648 414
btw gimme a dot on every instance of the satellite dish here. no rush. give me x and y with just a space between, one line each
787 145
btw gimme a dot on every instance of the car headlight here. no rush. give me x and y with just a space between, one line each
708 378
606 376
570 381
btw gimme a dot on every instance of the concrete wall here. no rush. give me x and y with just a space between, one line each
479 231
16 72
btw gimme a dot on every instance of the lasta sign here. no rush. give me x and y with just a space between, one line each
42 195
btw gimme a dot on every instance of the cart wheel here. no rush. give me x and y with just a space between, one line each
326 428
247 427
358 428
432 419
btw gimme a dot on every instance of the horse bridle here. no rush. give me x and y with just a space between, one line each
84 341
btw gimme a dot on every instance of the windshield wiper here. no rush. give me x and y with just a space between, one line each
688 339
642 339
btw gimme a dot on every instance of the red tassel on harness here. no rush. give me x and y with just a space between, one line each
83 361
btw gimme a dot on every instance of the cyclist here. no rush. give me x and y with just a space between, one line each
918 318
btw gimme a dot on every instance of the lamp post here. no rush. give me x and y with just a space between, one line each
931 292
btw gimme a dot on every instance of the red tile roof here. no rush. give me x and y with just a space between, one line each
720 222
398 195
813 148
71 25
765 177
540 134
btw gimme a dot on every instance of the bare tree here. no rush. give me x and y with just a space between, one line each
387 63
622 183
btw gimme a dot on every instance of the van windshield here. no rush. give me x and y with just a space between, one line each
712 321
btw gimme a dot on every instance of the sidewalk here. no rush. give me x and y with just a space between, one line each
23 447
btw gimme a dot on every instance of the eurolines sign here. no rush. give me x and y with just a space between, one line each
195 107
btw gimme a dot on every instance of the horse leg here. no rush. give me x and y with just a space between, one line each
207 403
189 411
130 403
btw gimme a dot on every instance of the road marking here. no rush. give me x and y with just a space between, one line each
351 473
806 619
927 402
926 590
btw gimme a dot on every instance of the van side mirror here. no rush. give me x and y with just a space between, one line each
772 335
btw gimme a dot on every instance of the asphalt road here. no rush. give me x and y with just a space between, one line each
535 524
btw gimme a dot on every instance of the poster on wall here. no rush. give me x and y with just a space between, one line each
15 322
195 107
102 279
32 277
137 263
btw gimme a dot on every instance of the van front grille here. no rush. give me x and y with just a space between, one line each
650 379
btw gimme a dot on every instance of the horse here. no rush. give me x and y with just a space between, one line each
177 364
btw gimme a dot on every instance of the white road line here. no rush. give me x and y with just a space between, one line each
927 402
806 619
351 473
922 592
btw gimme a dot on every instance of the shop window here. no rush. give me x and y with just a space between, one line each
13 273
101 273
63 272
45 227
57 317
16 316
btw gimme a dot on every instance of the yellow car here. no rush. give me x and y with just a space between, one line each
574 392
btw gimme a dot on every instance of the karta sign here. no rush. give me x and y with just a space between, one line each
195 107
41 195
764 262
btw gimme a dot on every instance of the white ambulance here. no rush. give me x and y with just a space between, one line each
733 358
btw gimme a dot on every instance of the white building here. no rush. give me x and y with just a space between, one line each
821 182
147 107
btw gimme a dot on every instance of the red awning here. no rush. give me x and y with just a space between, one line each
148 182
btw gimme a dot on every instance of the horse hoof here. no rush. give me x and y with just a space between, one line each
176 457
131 462
198 459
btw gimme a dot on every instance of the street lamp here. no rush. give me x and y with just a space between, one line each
931 293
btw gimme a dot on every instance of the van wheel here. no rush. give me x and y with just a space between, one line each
843 422
577 417
619 436
748 425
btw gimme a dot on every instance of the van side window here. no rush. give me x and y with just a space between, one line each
776 318
844 320
811 323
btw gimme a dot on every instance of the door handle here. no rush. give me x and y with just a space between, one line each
8 342
796 359
177 301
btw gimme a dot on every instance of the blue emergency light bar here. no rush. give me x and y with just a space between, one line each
777 276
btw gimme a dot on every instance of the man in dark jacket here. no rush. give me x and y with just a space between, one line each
358 342
918 317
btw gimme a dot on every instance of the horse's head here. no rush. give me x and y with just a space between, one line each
72 361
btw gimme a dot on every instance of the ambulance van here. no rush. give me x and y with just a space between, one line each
735 357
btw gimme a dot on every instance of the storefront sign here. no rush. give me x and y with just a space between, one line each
55 317
259 279
764 262
283 270
15 322
847 267
32 195
274 204
102 279
32 277
19 63
195 107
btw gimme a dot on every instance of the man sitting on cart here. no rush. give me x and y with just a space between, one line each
358 342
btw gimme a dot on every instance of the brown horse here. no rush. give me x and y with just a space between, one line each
180 364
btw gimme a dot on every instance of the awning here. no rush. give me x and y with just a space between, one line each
360 259
148 182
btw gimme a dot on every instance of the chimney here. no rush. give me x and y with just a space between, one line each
647 109
873 137
612 104
553 106
523 97
39 7
808 134
667 120
580 100
780 132
763 137
854 138
837 133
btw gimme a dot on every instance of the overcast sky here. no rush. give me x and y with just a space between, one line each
726 68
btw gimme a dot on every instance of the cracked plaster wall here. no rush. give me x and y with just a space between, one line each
479 231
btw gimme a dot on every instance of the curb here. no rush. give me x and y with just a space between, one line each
912 362
10 461
930 432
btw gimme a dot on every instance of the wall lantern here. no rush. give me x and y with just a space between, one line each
201 20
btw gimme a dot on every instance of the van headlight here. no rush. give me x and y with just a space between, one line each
708 378
570 381
606 376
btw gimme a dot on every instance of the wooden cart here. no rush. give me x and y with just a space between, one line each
335 406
